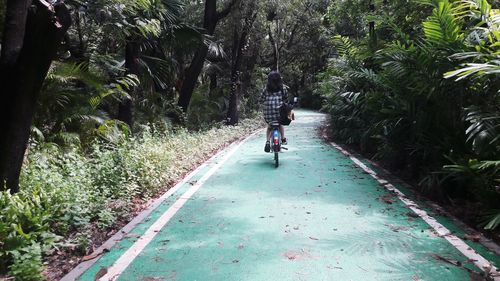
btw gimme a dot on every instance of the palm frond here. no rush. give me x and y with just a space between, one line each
442 27
118 90
475 69
493 220
157 70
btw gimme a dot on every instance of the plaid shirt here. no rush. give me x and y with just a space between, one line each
272 103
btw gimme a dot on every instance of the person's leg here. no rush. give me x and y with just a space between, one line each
267 147
282 132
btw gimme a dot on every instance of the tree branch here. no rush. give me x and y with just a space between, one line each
225 12
290 41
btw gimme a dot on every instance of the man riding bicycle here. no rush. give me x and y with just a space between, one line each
273 97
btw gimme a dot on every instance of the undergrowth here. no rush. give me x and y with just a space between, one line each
65 191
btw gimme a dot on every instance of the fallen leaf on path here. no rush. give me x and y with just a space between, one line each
388 199
412 215
446 260
292 255
396 228
313 238
95 255
152 279
363 268
100 273
472 237
91 257
296 255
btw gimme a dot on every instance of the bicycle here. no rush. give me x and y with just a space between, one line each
276 144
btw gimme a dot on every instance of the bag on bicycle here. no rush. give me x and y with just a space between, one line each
286 114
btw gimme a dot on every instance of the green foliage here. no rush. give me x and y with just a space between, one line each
348 18
442 27
113 131
493 221
72 100
84 167
27 264
206 108
399 105
65 191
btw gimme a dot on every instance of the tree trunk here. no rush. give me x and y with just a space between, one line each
371 27
14 29
250 63
213 81
125 112
239 42
274 66
232 113
191 77
210 20
22 79
125 109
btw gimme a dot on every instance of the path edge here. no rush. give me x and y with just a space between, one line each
482 263
82 267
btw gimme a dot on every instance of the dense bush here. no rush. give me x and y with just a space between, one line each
65 191
426 100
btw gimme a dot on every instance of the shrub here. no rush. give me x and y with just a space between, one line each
399 104
66 191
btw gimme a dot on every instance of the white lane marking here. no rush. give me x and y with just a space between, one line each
126 259
111 242
458 243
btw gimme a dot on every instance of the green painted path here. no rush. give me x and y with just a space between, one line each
317 217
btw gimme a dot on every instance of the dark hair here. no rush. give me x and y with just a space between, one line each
274 82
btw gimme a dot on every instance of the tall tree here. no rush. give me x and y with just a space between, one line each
371 28
240 37
210 20
132 53
272 15
32 34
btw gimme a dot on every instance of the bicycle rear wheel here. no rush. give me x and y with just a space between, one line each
276 159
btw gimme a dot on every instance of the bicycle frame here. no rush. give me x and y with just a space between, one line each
276 139
276 143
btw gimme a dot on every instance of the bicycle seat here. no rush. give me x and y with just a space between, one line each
274 124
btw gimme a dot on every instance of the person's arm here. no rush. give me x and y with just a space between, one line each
262 97
284 95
